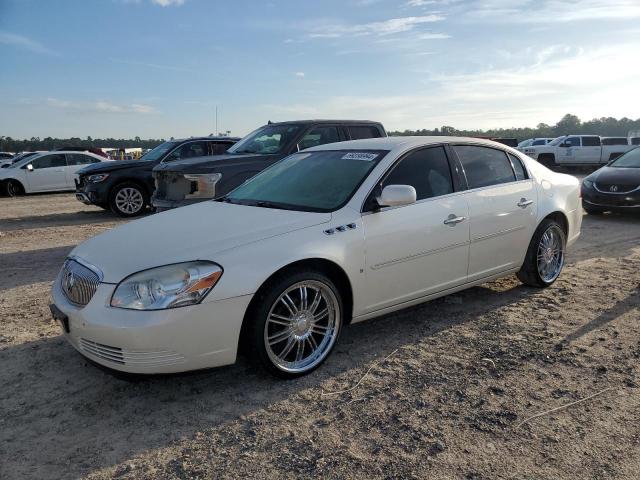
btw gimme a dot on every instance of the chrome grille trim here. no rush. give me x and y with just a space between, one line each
622 189
79 281
126 357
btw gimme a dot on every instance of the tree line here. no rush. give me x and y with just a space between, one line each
569 124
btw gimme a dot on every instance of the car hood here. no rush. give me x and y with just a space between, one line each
111 166
208 164
196 232
616 176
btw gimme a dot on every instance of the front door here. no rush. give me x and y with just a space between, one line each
502 207
48 173
569 151
418 249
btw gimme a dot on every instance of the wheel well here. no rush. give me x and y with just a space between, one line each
561 219
7 181
327 267
547 156
129 180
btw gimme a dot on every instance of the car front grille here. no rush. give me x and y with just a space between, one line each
79 283
130 357
616 187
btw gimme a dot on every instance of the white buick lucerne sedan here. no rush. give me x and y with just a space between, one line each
328 236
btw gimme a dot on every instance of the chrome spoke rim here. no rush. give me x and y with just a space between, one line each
302 326
129 200
550 254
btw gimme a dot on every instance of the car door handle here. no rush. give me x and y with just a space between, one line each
453 220
524 203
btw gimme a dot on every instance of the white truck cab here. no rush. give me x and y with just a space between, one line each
570 150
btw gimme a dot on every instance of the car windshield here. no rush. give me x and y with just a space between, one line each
556 141
159 151
631 159
271 139
321 181
525 143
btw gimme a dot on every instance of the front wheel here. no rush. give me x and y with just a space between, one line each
545 256
296 324
12 188
128 200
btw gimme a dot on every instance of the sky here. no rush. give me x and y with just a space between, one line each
159 68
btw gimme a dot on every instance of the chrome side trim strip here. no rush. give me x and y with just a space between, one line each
418 255
497 234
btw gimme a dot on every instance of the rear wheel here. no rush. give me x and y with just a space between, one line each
128 199
296 323
545 256
12 188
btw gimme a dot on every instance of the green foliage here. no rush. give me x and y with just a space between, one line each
569 124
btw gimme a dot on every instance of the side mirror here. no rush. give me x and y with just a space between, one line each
397 196
565 145
30 167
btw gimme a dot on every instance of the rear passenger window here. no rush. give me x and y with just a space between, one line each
357 132
590 141
426 170
521 173
484 166
319 136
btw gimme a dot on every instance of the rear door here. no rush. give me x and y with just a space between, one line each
48 173
502 207
416 250
591 151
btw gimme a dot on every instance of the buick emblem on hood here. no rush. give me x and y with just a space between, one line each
613 188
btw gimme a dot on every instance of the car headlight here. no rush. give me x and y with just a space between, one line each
97 178
170 286
205 184
587 183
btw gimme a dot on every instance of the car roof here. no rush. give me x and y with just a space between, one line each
403 143
231 139
347 122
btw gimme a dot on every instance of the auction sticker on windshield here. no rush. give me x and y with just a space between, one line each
367 157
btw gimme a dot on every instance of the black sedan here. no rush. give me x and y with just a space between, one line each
615 187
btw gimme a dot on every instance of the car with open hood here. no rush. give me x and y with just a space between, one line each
328 236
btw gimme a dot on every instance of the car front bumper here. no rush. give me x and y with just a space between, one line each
611 202
153 342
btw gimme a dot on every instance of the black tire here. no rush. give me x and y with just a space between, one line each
547 160
530 273
12 188
139 199
592 210
257 331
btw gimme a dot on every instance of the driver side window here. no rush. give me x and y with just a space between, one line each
319 136
188 150
49 161
427 170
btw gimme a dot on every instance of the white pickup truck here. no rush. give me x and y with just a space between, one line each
571 150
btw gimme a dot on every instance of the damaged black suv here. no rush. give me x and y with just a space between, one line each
126 186
197 179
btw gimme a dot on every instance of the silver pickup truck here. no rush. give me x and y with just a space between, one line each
572 150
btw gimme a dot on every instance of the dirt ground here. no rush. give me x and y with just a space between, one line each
448 388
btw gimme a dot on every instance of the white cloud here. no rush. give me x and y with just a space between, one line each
382 28
299 74
168 3
23 42
100 106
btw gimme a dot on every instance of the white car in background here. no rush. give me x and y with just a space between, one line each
45 172
579 150
328 236
532 142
